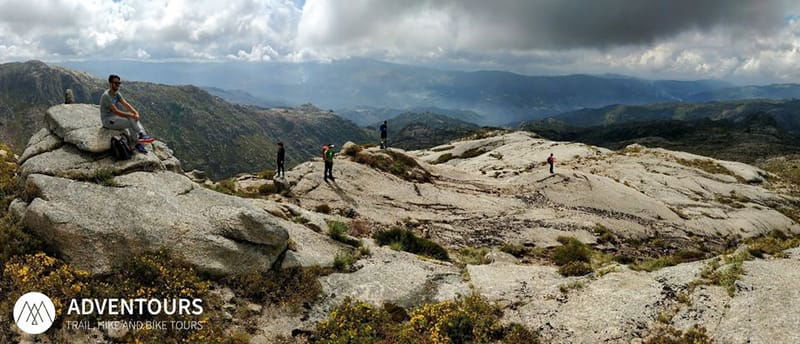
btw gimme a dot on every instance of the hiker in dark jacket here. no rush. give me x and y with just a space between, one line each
552 161
281 160
384 133
327 156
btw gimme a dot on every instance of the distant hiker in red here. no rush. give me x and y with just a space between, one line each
551 161
281 160
327 156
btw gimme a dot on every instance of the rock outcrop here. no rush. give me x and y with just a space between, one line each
97 212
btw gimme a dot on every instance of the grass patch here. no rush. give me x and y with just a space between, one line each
404 240
603 234
772 244
725 271
515 250
574 285
670 335
709 166
352 150
338 231
344 261
679 257
104 177
473 256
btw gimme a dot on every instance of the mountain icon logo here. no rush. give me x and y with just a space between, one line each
34 313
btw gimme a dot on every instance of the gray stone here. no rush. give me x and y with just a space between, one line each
17 208
95 227
79 124
69 162
42 141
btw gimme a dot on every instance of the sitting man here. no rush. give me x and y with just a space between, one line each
113 118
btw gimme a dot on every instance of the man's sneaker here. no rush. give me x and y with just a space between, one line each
140 148
143 138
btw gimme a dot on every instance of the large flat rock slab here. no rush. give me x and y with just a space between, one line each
79 124
94 226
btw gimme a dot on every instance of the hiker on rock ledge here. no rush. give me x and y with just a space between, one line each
327 157
551 161
114 118
384 133
281 161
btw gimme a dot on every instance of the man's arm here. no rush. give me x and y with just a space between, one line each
130 108
122 113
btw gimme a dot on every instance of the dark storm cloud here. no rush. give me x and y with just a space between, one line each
526 24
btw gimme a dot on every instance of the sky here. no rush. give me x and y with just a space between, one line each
742 41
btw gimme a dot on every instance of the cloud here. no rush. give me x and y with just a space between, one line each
749 40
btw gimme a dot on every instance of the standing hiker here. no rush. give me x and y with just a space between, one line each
384 133
112 117
327 156
281 160
552 161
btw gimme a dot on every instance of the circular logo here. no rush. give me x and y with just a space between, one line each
34 313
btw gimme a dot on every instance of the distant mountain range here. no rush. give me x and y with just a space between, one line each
744 131
499 97
205 131
785 112
413 131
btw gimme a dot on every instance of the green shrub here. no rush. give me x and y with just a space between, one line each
338 231
575 268
467 319
444 158
323 208
772 244
411 243
473 152
344 261
355 322
571 250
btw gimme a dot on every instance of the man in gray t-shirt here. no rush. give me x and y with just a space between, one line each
113 118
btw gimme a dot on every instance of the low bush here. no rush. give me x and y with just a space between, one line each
344 261
323 208
670 335
291 287
467 319
407 241
571 250
338 231
444 158
575 268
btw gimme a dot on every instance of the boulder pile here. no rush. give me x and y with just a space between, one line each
97 212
